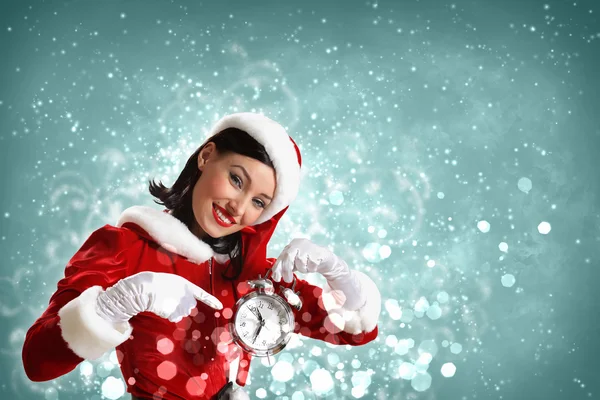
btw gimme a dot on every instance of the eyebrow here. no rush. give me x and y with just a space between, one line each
249 179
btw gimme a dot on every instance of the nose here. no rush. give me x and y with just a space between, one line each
236 207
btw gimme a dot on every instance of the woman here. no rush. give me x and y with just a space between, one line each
161 286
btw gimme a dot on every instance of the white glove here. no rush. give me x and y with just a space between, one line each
304 256
166 295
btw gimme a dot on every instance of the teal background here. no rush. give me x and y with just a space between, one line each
416 121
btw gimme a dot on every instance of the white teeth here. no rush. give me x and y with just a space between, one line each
222 217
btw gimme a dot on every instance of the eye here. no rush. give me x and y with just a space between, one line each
236 179
259 203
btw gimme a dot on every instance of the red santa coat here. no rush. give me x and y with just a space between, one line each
185 360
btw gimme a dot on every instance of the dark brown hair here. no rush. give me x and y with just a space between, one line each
178 198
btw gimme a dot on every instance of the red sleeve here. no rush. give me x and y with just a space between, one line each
314 321
101 261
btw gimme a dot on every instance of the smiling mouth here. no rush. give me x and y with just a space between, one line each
221 217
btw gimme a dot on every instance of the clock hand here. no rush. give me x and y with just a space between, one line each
256 334
255 312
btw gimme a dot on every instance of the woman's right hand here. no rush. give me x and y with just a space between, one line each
167 295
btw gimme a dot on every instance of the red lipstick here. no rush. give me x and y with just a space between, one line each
225 214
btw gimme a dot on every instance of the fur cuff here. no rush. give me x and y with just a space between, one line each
364 319
87 334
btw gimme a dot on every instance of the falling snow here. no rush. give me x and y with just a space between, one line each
440 145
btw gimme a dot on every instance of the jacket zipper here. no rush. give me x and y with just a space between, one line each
227 366
210 275
210 280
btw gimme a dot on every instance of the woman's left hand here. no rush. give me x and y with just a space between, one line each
304 256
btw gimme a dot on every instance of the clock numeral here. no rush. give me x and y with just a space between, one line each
260 304
270 306
244 315
283 321
243 324
264 342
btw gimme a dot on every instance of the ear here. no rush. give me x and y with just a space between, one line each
208 151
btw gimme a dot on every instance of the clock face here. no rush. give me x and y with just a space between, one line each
264 323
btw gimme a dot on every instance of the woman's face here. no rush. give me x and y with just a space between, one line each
231 193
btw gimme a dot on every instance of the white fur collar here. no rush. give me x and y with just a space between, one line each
170 233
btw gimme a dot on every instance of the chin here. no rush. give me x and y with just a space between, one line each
209 226
215 231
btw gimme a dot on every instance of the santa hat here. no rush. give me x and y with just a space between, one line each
280 147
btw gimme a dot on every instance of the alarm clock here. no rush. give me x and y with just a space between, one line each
263 322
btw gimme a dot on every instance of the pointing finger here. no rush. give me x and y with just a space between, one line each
203 296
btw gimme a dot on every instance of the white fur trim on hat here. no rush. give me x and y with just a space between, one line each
87 334
280 149
363 320
170 233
